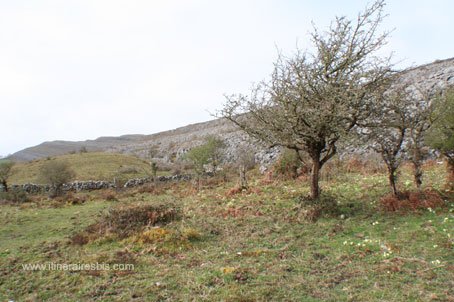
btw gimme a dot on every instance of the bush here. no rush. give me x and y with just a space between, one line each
153 188
75 199
56 174
288 165
411 201
124 220
127 220
14 196
108 195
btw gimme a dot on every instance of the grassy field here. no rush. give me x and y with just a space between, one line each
87 166
251 246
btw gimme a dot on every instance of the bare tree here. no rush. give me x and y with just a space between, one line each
56 174
441 135
245 161
314 100
420 117
5 173
152 153
386 129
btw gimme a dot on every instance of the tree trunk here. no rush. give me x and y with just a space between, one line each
392 180
417 174
451 173
243 180
417 165
315 175
5 186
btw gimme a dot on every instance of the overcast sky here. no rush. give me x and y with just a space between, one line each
76 70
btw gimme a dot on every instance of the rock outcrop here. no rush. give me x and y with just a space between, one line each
171 145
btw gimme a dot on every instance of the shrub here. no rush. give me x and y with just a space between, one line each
153 188
288 165
56 173
109 195
75 199
5 172
411 201
14 196
125 219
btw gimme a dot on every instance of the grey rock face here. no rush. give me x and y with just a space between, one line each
172 145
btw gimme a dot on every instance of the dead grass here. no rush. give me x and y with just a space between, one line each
409 201
125 220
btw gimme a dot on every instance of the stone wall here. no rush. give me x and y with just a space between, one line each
96 184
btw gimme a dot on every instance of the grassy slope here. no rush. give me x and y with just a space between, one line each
254 247
87 166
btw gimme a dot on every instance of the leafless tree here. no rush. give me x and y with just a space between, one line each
5 173
386 128
244 161
314 99
421 117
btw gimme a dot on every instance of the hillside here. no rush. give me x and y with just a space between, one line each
175 142
261 245
87 166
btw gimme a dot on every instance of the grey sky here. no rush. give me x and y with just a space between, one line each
76 70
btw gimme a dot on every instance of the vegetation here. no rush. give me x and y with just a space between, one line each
441 135
258 245
261 240
86 166
289 164
56 174
386 130
209 153
5 173
313 100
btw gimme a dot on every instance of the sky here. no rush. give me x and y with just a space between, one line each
81 69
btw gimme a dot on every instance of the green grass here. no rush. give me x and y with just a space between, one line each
252 247
87 166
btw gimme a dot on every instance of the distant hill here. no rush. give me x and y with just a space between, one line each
64 147
171 144
87 166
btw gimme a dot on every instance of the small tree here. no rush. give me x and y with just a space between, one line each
5 173
289 163
420 118
245 161
215 147
56 174
152 153
83 149
314 100
441 135
386 130
208 153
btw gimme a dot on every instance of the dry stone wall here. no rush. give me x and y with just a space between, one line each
91 185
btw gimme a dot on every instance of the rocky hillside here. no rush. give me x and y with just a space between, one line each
172 144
